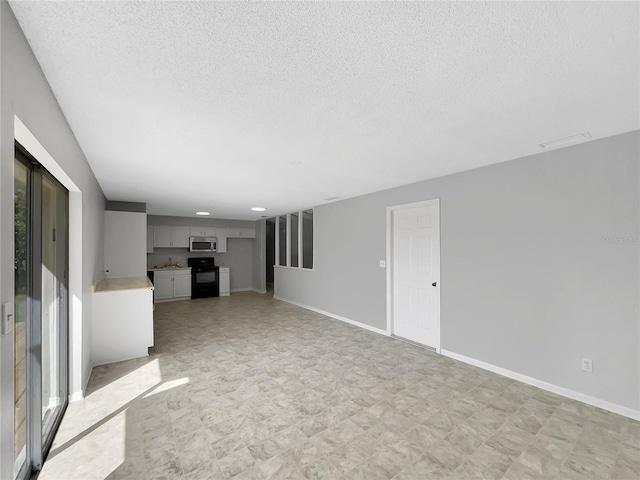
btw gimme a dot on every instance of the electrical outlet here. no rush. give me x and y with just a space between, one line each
383 263
587 365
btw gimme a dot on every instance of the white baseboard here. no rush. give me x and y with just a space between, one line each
247 289
77 396
337 317
166 300
565 392
259 291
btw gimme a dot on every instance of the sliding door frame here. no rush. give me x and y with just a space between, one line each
37 446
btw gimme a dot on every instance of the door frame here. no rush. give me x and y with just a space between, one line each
390 264
38 443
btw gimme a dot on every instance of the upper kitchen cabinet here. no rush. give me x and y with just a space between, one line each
181 237
241 232
222 240
203 231
171 237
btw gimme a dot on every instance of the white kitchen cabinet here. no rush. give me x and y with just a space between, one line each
172 284
225 283
203 231
241 232
149 238
222 240
162 237
181 237
170 237
182 284
163 285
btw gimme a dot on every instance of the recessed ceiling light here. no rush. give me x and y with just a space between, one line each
581 137
258 209
203 213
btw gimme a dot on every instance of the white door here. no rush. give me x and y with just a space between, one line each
416 272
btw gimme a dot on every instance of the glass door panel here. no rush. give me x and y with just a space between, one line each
54 268
21 311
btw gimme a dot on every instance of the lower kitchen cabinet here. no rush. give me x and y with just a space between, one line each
172 284
225 284
163 285
182 285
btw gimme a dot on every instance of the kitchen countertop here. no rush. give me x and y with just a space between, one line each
122 283
160 269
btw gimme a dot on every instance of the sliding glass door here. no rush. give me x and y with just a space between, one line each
41 253
54 304
22 191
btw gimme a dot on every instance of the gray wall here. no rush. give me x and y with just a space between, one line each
529 280
238 257
25 92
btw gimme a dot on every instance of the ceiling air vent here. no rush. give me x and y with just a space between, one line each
331 199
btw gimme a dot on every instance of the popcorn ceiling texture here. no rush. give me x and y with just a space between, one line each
205 105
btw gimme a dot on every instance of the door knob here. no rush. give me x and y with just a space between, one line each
433 284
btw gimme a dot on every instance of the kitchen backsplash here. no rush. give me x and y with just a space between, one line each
180 255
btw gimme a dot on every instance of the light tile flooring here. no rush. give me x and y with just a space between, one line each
253 388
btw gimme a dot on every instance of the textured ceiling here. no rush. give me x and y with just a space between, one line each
222 106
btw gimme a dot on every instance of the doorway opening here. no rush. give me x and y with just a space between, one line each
413 273
270 256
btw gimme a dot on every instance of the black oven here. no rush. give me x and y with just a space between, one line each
205 277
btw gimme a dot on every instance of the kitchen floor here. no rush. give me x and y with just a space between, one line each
249 387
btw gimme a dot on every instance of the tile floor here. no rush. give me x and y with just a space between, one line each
248 387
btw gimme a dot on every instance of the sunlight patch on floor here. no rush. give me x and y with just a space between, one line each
168 385
94 433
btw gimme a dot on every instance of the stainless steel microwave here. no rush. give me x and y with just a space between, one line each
203 244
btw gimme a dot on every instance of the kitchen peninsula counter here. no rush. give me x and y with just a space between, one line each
123 283
122 319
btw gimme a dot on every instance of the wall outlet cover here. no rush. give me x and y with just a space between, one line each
587 365
383 263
